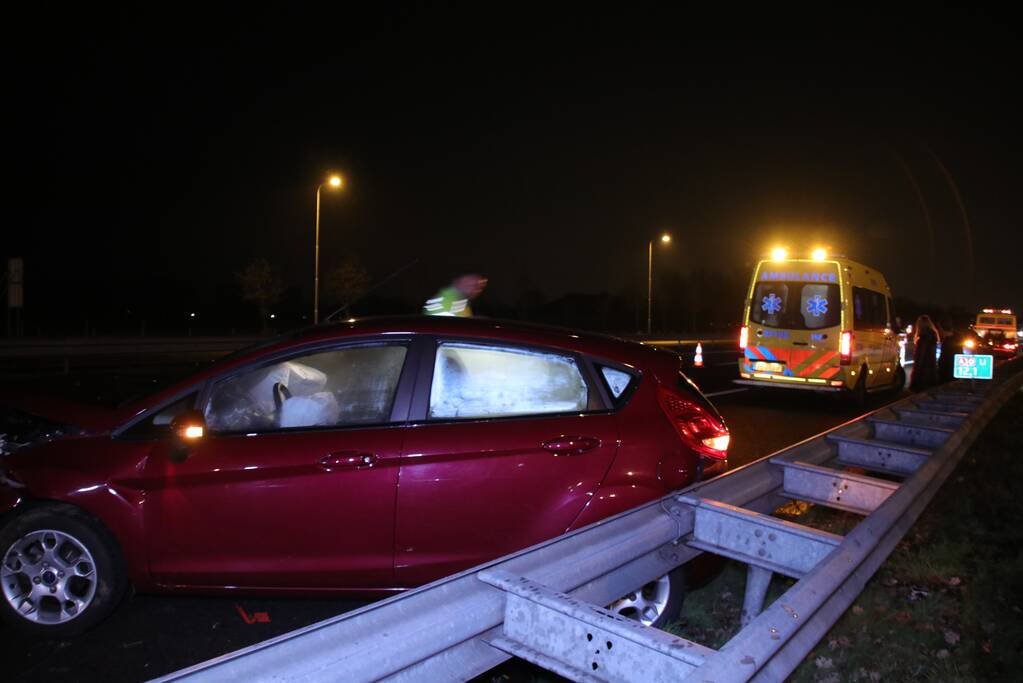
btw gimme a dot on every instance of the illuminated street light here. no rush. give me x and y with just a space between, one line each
665 239
335 181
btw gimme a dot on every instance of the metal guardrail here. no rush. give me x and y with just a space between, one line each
78 347
542 604
33 358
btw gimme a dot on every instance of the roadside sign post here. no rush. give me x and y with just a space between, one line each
968 366
15 295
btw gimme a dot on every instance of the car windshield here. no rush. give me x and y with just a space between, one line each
796 305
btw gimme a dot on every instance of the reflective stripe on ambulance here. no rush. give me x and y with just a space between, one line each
820 363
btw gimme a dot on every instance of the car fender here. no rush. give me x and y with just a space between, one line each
98 475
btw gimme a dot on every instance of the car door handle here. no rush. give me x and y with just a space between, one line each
347 460
571 445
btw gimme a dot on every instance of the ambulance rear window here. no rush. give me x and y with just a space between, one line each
796 305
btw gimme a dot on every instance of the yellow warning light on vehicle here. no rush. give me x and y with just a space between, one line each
779 253
193 432
819 254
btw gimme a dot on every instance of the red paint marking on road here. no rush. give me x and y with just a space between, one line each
257 617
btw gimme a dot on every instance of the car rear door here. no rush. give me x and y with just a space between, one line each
294 484
509 445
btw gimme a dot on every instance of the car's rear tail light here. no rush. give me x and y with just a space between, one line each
699 428
743 337
845 346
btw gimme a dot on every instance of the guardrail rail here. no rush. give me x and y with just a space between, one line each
543 604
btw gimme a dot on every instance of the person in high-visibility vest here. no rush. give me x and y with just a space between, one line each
454 299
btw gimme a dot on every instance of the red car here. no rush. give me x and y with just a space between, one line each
365 457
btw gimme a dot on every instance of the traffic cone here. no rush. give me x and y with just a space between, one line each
698 358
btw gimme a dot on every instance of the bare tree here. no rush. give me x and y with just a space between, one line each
261 284
348 283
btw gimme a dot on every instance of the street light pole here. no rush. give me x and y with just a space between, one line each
316 267
665 238
649 285
334 181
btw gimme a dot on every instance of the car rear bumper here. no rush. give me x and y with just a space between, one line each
782 384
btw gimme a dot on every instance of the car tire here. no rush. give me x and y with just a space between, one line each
657 603
858 394
61 569
899 383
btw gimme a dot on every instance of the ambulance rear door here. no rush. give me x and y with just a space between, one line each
794 320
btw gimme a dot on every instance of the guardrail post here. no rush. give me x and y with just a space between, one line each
758 580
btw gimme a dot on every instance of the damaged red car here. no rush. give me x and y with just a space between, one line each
365 457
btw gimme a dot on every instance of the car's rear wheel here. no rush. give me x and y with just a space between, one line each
656 603
899 382
61 571
858 394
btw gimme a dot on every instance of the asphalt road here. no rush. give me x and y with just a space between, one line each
151 636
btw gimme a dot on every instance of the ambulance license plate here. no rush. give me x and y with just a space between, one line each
761 366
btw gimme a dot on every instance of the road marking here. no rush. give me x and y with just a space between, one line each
727 391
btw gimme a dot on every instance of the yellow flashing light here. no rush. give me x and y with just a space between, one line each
819 254
194 432
779 253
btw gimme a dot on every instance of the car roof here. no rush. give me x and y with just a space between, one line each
615 348
529 334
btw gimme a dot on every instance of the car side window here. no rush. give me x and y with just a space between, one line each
617 380
337 388
483 381
869 309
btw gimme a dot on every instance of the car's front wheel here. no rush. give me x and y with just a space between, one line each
61 571
656 603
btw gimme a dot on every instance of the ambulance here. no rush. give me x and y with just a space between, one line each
821 323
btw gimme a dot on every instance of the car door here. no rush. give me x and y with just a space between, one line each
294 484
509 445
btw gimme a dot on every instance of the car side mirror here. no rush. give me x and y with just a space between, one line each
187 429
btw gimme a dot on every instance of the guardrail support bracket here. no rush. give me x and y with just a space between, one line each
834 488
879 456
584 642
767 542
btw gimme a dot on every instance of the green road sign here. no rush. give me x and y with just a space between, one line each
974 367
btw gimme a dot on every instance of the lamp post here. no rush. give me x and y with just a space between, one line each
335 181
665 239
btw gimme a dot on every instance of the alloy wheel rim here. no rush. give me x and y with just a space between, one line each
48 577
646 604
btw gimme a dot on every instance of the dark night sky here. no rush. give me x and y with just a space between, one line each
541 150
